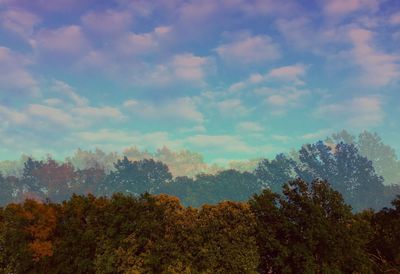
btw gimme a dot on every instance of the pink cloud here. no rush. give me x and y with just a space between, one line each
107 22
190 67
14 75
133 44
49 6
249 49
19 21
289 73
343 7
68 40
395 19
378 68
183 109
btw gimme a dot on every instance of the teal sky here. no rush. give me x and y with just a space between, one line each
231 79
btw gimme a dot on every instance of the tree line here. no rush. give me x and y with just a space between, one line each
342 164
307 228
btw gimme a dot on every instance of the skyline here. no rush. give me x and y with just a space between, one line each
229 79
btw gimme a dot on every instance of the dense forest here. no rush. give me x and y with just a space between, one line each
330 207
306 229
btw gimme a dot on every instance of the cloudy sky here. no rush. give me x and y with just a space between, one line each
232 79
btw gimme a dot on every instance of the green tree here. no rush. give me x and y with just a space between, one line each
309 230
136 177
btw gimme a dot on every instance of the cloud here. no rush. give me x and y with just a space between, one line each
135 44
190 67
281 100
281 138
226 143
14 75
378 68
291 74
249 127
344 7
395 18
117 139
181 68
48 6
67 90
181 109
54 115
319 134
68 40
287 73
232 107
360 112
98 113
263 7
19 21
297 31
249 49
12 117
109 22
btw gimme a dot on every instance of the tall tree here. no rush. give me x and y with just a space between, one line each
273 174
308 230
136 177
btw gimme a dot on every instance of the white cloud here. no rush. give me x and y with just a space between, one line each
67 90
232 107
319 134
249 127
98 112
360 112
12 117
281 138
283 97
51 114
226 143
183 109
237 86
14 75
291 73
116 139
378 68
249 49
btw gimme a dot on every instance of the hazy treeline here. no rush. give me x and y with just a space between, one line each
306 229
188 163
338 160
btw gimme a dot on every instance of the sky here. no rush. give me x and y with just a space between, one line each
231 79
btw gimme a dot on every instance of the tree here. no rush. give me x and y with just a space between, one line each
136 177
383 157
385 246
350 173
273 174
308 230
7 189
55 180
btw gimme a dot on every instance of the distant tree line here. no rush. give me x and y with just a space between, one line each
306 229
342 164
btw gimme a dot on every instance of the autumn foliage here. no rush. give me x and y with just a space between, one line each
306 229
